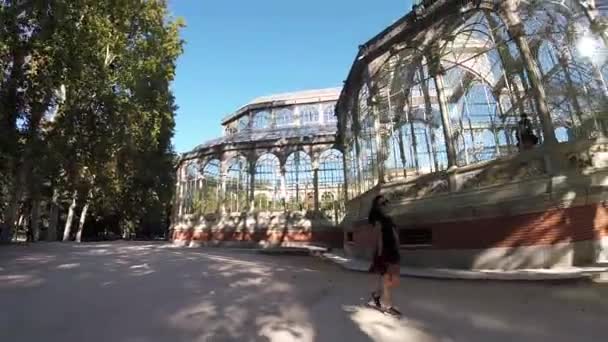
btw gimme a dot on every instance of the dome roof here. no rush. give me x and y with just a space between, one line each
286 99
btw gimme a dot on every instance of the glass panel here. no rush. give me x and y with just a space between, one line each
300 189
243 123
267 183
329 113
261 120
309 115
208 200
284 117
331 185
237 185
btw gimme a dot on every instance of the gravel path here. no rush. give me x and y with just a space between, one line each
136 292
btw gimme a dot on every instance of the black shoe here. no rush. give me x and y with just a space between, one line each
376 299
393 311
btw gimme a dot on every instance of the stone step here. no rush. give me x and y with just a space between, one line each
601 278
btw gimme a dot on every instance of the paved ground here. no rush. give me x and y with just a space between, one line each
151 292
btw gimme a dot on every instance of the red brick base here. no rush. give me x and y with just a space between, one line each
328 238
551 227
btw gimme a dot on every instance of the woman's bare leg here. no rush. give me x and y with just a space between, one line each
386 299
377 292
379 286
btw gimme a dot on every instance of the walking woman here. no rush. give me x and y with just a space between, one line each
386 257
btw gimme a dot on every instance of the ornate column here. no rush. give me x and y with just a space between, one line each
517 32
428 109
380 154
197 194
251 170
358 188
346 164
414 147
402 151
436 71
179 197
506 129
464 141
315 181
283 172
175 209
223 177
381 150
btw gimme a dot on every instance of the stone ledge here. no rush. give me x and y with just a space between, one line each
303 250
559 274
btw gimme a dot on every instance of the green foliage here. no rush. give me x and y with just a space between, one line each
208 199
86 105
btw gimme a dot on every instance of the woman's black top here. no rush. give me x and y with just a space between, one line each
390 245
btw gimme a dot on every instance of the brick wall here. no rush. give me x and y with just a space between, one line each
551 227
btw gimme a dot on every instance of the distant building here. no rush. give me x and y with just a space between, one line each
278 159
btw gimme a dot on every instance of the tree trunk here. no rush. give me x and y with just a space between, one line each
68 223
83 217
20 221
10 105
35 220
53 217
11 213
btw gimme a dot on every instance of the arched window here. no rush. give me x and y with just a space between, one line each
568 59
397 155
237 185
438 149
309 115
331 170
284 117
191 188
261 120
488 146
192 171
298 170
209 199
504 141
243 123
267 183
229 130
368 156
331 185
329 113
417 147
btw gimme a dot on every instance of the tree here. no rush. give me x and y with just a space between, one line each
87 94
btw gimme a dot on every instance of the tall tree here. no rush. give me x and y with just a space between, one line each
88 94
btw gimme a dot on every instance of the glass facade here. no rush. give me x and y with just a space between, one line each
455 96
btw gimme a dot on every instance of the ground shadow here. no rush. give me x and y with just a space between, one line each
155 292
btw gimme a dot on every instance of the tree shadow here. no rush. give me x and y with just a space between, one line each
158 292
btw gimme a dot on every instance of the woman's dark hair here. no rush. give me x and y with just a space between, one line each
375 213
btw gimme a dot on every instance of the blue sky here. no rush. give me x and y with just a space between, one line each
237 50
